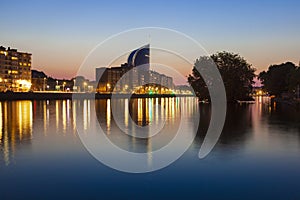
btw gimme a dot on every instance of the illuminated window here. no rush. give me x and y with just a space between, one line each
20 64
14 58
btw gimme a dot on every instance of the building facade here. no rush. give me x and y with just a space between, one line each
134 76
15 70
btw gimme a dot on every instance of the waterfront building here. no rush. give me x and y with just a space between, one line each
139 78
15 70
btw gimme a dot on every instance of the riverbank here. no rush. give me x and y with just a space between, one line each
11 96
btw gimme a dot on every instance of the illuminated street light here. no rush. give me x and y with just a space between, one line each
44 85
74 85
84 86
108 87
64 84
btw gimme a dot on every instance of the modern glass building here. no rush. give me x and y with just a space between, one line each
139 57
139 77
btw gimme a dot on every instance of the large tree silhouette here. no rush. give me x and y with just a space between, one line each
236 72
280 78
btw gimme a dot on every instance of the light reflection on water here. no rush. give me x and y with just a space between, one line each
259 142
17 119
260 126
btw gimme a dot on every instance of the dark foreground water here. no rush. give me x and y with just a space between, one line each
41 155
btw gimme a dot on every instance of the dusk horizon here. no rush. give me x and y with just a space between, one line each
149 99
62 41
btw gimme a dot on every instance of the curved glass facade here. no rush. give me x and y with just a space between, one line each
139 57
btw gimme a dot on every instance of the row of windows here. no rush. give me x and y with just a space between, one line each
8 72
15 77
7 61
15 67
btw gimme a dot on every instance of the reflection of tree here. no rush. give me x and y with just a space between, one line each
238 121
285 116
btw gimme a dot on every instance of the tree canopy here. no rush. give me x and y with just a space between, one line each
236 72
281 78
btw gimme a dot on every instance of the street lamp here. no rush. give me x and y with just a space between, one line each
44 86
84 85
57 87
74 85
108 87
64 84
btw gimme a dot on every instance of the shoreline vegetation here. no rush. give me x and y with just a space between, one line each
280 82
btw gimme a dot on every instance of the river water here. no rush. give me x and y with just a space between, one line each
42 155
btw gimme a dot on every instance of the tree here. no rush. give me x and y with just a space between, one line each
195 79
280 78
294 81
236 72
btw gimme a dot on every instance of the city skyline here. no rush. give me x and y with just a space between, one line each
62 41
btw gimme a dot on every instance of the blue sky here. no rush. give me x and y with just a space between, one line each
61 33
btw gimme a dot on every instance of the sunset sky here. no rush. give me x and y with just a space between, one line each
60 34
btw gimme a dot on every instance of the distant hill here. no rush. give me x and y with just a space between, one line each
38 74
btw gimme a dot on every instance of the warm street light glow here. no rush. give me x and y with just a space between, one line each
24 85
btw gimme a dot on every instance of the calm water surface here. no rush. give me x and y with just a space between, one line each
41 155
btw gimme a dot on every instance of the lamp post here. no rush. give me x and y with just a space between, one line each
107 87
74 85
64 84
44 85
84 86
56 85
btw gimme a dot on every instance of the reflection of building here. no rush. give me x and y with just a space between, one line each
16 120
138 79
15 73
